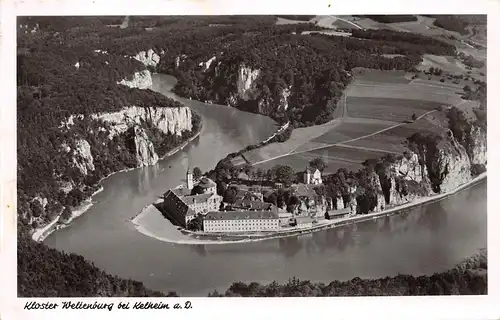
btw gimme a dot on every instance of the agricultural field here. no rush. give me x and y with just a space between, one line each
299 137
398 110
374 118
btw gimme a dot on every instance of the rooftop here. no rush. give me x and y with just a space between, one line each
241 215
301 220
303 190
254 205
176 206
338 212
198 198
180 192
206 183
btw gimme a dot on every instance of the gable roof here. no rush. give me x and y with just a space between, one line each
198 198
176 206
241 215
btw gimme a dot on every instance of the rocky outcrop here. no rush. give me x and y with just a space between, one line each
246 81
140 80
82 157
478 154
144 149
167 120
148 58
206 65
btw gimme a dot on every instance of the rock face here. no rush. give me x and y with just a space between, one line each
245 81
452 164
478 152
144 149
168 120
206 65
140 80
148 58
82 157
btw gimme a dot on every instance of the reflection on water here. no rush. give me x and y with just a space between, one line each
427 239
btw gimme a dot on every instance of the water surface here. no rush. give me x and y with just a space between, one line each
427 239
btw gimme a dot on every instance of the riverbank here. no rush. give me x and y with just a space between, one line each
56 224
151 222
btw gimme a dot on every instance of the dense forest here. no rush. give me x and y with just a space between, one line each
314 67
51 89
468 278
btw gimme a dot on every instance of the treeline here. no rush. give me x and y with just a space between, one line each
296 17
452 23
393 18
468 278
406 42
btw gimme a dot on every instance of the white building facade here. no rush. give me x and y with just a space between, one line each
312 177
238 221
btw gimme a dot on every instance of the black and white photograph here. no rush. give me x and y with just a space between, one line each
258 155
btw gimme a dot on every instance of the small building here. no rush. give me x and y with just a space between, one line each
241 221
304 222
337 214
285 217
312 176
208 185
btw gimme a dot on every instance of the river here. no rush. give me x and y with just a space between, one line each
427 239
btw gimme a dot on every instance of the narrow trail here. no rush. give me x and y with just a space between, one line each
366 148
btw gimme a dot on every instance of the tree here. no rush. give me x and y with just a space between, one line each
467 89
318 163
197 190
230 195
66 214
414 117
285 174
195 224
197 173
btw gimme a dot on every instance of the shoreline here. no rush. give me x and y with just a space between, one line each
191 240
42 233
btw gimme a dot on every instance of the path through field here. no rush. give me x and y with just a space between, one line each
323 146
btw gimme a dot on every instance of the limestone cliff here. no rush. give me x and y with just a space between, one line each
82 157
144 148
140 80
435 165
478 146
168 120
148 58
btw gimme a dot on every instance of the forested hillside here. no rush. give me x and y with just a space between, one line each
57 80
468 278
310 70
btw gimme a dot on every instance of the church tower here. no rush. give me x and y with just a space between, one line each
189 179
307 175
